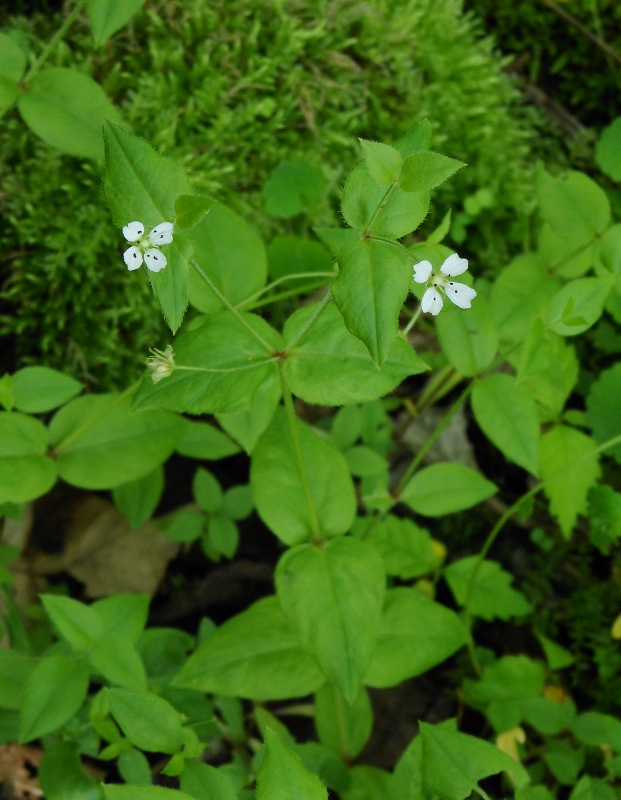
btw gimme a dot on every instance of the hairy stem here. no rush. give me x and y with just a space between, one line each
311 321
56 38
294 277
308 287
367 231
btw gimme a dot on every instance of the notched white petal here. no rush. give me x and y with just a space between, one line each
132 257
460 294
432 301
422 271
454 265
155 260
162 233
133 231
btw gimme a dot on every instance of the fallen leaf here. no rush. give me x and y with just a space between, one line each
508 742
17 765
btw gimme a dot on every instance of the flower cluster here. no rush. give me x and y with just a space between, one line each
438 283
161 364
146 247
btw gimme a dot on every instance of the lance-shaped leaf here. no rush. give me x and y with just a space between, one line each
445 488
218 367
453 763
108 16
333 596
283 776
372 284
278 489
329 366
170 285
424 171
190 209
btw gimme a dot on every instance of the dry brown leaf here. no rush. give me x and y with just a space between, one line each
17 763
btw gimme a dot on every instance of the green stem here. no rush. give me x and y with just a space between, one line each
310 322
254 365
412 321
289 293
603 46
292 421
232 308
296 276
507 516
54 41
94 420
367 231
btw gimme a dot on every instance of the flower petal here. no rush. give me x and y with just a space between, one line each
454 265
460 294
432 301
133 231
132 257
422 271
155 260
161 234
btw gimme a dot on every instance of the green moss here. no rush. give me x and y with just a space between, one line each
231 88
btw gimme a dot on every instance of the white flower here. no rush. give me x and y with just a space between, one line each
146 248
161 364
438 284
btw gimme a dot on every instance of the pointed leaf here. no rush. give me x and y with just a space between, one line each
383 162
424 171
446 488
283 776
190 209
492 595
108 16
148 721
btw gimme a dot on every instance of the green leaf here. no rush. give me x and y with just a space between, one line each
54 692
134 768
123 615
329 366
468 336
9 92
148 721
108 16
335 238
116 658
15 670
237 502
222 242
62 777
604 512
113 791
139 183
424 171
25 472
347 426
293 187
363 461
556 656
79 624
164 651
221 538
204 782
12 59
589 788
596 729
100 443
278 490
66 109
548 716
578 305
253 655
608 150
454 762
226 366
565 256
332 596
372 285
416 140
138 499
575 206
203 441
604 408
383 162
40 389
248 426
190 210
325 764
171 285
508 417
401 212
561 447
446 488
406 550
283 776
492 596
342 727
564 761
288 255
415 635
441 231
206 490
521 293
185 526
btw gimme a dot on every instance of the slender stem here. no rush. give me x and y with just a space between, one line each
507 516
308 287
367 231
47 50
254 365
416 461
232 308
310 322
296 276
292 420
94 420
413 321
603 46
392 242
